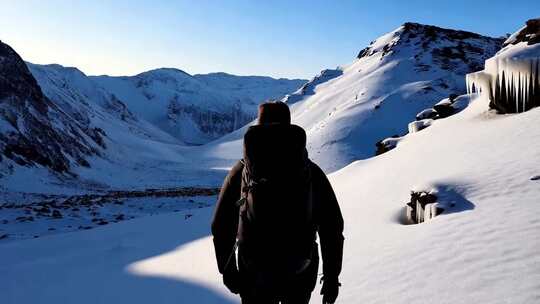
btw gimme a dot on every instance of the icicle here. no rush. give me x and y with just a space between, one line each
515 92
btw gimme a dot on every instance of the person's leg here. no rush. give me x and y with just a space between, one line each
252 298
301 297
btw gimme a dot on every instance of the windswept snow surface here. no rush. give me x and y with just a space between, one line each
482 250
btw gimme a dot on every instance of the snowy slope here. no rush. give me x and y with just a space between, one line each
197 108
484 250
399 74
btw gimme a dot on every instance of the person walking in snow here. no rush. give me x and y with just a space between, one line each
271 206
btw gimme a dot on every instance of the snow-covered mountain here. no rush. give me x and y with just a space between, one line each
481 165
95 130
196 109
346 111
135 153
482 249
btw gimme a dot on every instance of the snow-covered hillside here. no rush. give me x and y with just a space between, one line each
484 250
95 133
121 152
396 76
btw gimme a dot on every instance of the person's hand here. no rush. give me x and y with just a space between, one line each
330 290
231 279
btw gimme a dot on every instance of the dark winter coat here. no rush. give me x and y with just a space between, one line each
326 216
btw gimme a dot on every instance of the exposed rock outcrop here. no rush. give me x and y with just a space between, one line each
530 33
33 131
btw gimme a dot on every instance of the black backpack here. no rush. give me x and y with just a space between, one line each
276 232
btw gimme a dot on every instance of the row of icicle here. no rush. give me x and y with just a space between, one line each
513 85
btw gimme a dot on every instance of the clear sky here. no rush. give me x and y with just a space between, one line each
257 37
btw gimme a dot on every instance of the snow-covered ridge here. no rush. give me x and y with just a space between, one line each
348 110
198 108
193 109
309 87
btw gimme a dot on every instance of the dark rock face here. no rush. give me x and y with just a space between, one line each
212 123
33 131
447 107
444 110
387 144
530 34
452 50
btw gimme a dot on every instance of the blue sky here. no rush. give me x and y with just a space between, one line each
258 37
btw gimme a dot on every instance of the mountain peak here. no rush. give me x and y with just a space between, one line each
165 72
432 30
530 33
428 45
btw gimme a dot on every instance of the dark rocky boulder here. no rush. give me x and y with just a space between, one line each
56 214
444 110
387 144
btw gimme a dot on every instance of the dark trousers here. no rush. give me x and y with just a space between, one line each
261 287
294 298
295 290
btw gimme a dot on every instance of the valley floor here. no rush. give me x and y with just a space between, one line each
46 214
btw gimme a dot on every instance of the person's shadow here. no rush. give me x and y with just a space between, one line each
109 264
